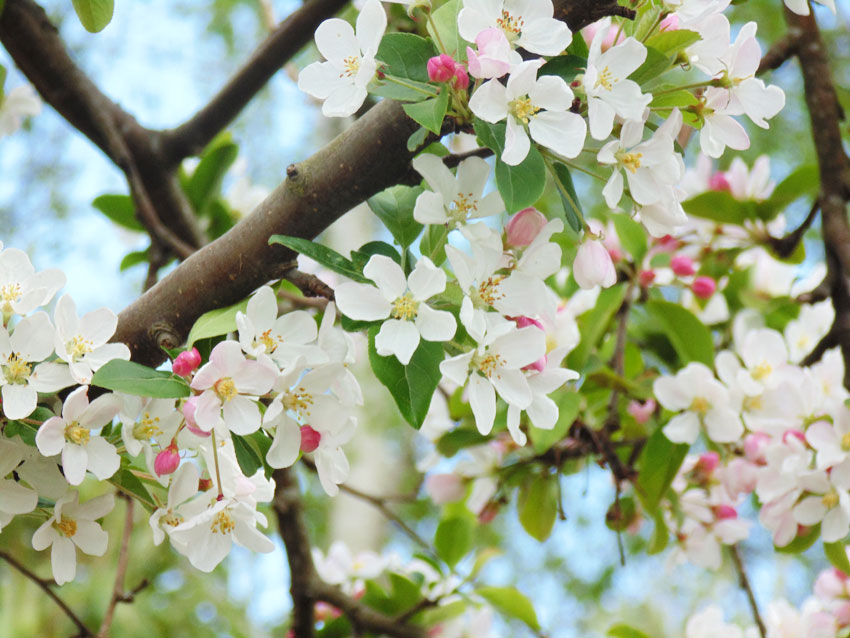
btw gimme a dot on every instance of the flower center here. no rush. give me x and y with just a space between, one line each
66 526
78 346
17 370
462 205
489 364
298 401
700 406
350 66
405 308
830 499
225 388
512 26
523 109
845 442
762 370
222 523
605 79
10 293
268 341
147 428
488 292
76 433
631 161
171 519
753 404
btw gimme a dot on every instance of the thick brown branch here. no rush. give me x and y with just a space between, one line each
370 156
292 34
45 585
580 14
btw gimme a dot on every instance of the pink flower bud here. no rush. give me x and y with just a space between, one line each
167 461
842 614
641 411
524 226
461 77
493 58
444 488
441 68
646 277
188 409
186 362
682 266
830 584
310 439
724 512
593 266
754 447
670 23
789 435
718 182
704 287
489 512
708 462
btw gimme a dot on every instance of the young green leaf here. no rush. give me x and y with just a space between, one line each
120 209
324 255
429 113
453 539
406 55
130 377
394 207
537 505
659 462
215 323
690 336
511 602
94 15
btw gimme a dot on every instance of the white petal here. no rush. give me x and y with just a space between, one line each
362 302
435 325
682 428
387 275
399 338
482 399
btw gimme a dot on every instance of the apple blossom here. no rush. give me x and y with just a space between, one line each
494 56
22 290
527 25
19 103
523 227
593 266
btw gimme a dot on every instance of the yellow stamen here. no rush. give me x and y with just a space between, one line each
298 401
762 370
830 499
351 65
462 205
171 519
488 292
700 406
225 388
66 526
10 293
147 427
77 347
606 79
845 442
77 434
522 109
405 308
268 341
631 161
512 26
222 523
489 365
17 370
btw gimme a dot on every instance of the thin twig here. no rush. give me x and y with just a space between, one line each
309 284
45 586
786 245
118 593
781 51
745 585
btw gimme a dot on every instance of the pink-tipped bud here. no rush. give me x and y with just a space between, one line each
646 277
708 462
641 411
754 447
670 23
724 512
488 513
842 614
719 182
789 435
682 266
186 362
704 287
188 409
441 68
167 461
310 439
524 226
461 77
445 488
593 266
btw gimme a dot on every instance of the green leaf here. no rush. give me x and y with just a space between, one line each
94 15
537 506
394 207
511 602
205 182
429 113
445 21
406 55
690 337
521 185
567 190
654 65
624 631
804 181
593 324
215 323
120 209
417 139
411 386
247 457
719 206
409 91
132 259
578 46
660 534
632 236
836 553
659 462
129 483
453 539
455 440
134 378
361 256
674 99
433 243
671 42
569 404
801 543
324 255
564 66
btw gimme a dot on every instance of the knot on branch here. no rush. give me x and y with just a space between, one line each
165 335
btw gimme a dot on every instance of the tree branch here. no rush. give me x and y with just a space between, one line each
45 585
118 593
781 51
745 585
289 37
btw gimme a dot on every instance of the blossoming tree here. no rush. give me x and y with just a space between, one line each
574 270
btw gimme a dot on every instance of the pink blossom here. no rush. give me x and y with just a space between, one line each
188 410
524 226
641 411
310 439
718 182
445 488
493 58
682 266
186 362
755 446
167 461
740 477
704 287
